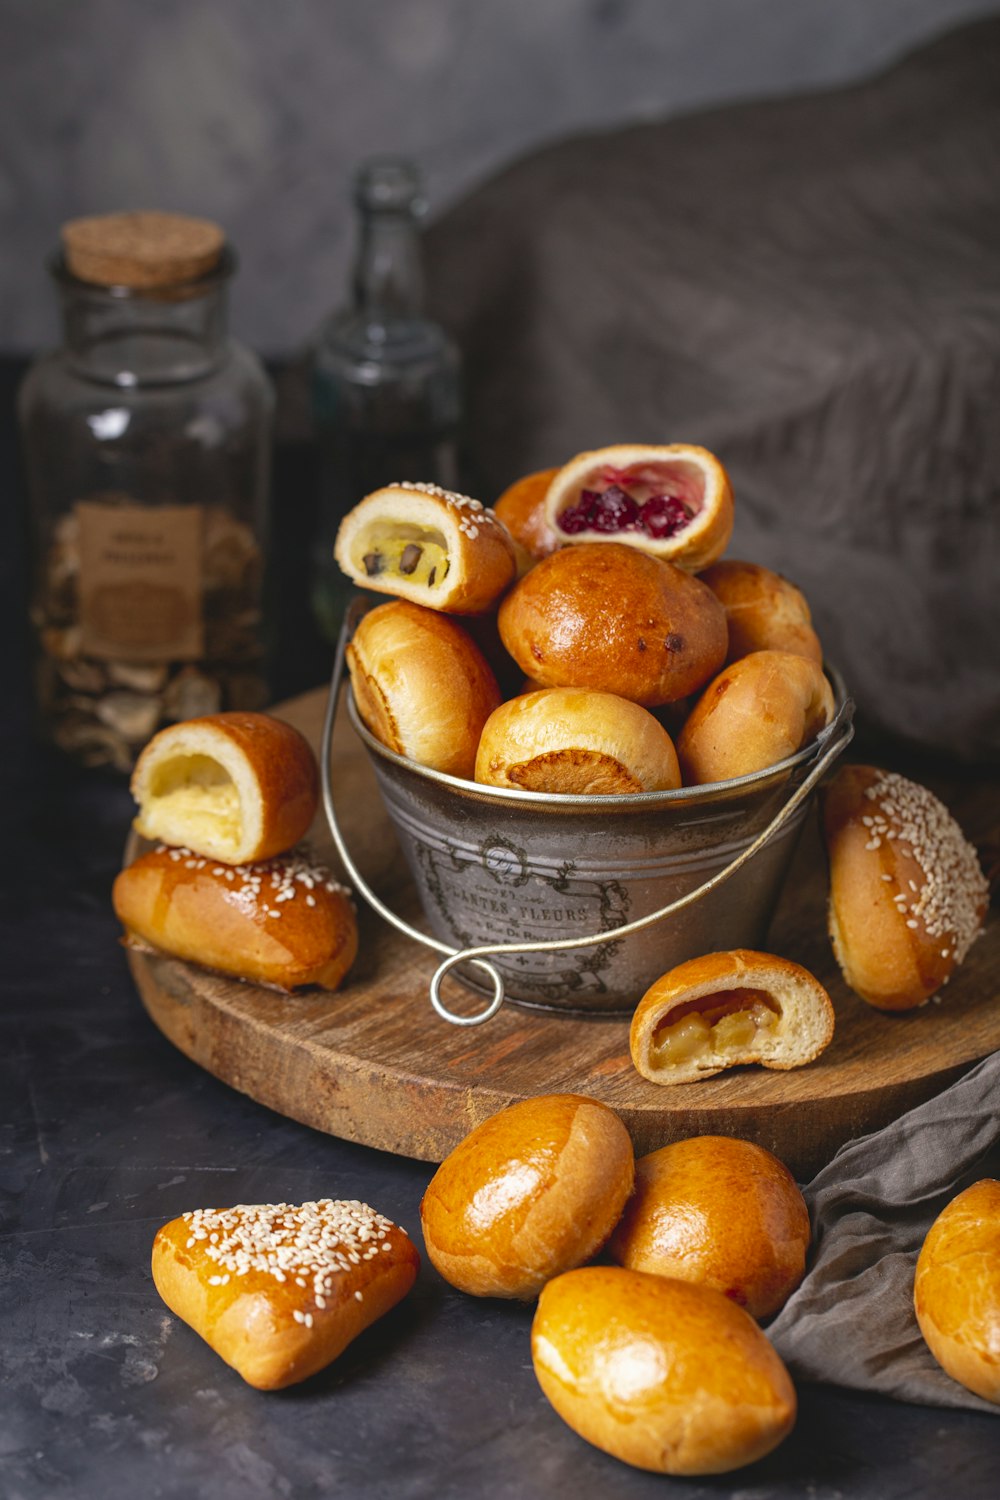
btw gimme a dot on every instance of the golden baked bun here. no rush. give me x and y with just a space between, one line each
726 1009
764 611
614 620
662 1374
720 1212
673 502
422 686
907 894
758 711
282 923
428 545
572 740
521 508
532 1192
279 1290
956 1291
232 787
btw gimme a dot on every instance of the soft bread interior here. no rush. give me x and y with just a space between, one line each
200 792
756 1018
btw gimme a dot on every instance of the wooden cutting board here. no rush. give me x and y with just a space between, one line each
373 1063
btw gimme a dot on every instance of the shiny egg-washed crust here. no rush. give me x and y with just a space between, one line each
422 686
250 1321
696 476
480 553
521 508
616 620
720 1212
571 740
664 1375
764 611
756 712
907 894
271 766
282 923
956 1291
803 1029
532 1192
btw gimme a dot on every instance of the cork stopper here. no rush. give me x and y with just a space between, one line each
141 249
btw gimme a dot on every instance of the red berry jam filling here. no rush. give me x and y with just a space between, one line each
614 510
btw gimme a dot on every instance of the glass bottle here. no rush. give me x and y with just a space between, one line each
147 445
386 380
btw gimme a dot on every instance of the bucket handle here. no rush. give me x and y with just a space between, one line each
836 736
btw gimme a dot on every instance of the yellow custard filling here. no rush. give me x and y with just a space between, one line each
408 552
194 788
712 1026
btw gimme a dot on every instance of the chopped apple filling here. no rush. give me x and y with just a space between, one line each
713 1026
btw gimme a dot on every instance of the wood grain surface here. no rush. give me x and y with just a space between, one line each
373 1063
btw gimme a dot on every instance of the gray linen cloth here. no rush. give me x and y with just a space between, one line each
851 1322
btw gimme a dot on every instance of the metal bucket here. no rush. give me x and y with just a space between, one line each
575 903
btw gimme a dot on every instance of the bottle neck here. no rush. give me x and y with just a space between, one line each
126 337
388 274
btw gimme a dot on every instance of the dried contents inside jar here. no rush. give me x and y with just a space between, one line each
104 699
714 1024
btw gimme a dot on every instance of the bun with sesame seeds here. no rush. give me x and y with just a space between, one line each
232 787
279 1290
907 894
428 545
283 923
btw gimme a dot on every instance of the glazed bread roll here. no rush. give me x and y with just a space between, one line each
428 545
571 740
673 502
662 1374
720 1212
764 611
758 711
956 1292
532 1192
279 1290
726 1009
907 894
232 787
614 620
282 923
521 508
422 686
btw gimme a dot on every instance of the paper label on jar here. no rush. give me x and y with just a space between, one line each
140 581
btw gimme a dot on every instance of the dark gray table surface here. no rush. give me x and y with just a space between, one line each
106 1132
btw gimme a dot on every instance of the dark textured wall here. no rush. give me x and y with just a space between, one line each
254 111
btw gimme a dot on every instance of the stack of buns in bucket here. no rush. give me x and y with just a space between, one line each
586 637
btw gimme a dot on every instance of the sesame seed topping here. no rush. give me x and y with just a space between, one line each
950 893
283 875
310 1244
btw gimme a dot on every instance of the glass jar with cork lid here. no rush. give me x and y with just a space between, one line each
147 441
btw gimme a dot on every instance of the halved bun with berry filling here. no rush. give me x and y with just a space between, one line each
674 502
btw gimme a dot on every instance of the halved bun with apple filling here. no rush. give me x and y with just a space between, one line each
725 1009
